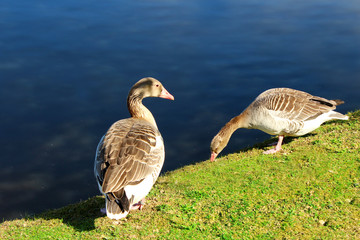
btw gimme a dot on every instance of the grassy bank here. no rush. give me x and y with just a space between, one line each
311 190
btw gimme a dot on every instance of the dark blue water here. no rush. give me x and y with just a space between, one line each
66 68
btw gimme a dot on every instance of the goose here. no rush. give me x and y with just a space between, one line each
129 157
282 112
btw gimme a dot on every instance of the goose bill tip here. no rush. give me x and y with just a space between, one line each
165 94
213 156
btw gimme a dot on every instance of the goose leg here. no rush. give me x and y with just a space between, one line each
138 205
277 147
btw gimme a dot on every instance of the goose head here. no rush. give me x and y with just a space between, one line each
150 87
218 143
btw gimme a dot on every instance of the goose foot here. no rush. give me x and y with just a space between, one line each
277 148
271 151
138 205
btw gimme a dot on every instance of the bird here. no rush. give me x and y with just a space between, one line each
130 156
282 112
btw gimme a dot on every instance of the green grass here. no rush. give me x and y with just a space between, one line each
311 190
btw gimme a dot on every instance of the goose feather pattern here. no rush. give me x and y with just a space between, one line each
285 111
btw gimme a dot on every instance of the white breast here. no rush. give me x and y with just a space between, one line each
139 191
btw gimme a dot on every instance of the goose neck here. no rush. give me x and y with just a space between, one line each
138 110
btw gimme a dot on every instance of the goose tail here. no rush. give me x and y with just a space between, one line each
114 211
338 102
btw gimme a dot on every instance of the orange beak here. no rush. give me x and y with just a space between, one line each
165 94
213 156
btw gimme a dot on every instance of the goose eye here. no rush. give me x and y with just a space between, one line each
157 85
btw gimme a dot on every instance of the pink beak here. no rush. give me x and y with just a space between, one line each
213 156
165 94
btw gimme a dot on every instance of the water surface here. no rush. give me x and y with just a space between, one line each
66 68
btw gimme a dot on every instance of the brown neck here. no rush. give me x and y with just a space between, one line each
138 110
234 124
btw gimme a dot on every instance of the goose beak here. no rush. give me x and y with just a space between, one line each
213 156
165 94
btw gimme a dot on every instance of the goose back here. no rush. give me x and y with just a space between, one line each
294 104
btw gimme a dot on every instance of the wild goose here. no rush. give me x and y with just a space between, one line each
282 112
130 155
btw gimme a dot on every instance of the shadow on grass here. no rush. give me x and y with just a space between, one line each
272 141
80 216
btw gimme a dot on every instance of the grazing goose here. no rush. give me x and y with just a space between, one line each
130 155
279 111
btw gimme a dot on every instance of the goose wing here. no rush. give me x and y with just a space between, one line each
131 150
295 105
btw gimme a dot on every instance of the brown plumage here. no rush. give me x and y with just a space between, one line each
280 111
130 156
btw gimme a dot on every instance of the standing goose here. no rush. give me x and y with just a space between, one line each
130 155
279 111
